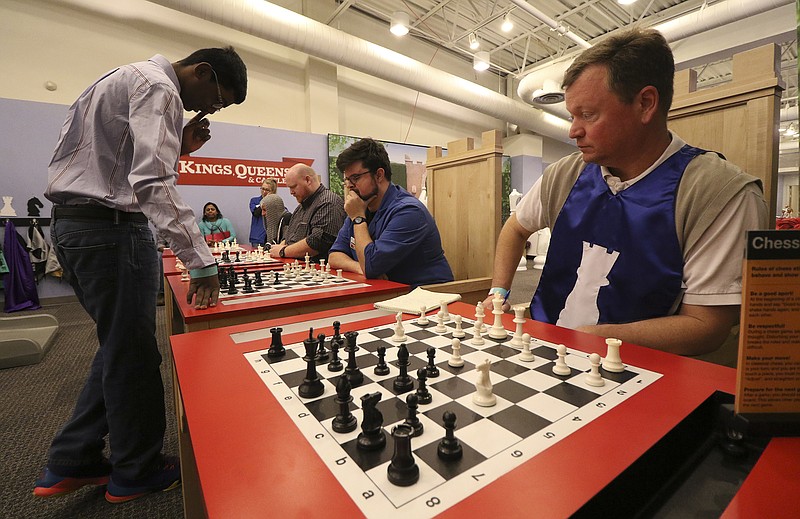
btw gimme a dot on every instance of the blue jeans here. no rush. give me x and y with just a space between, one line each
114 271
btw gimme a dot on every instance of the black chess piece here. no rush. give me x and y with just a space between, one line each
403 383
233 275
413 420
223 278
34 204
449 448
226 258
232 284
277 275
423 395
403 470
276 349
259 282
237 257
431 369
322 353
312 386
352 372
336 326
371 437
248 284
351 337
344 421
335 364
381 368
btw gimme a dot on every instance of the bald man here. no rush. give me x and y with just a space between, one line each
316 221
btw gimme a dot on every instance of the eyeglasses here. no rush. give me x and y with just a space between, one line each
352 179
221 104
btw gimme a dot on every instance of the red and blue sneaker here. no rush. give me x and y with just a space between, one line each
50 484
167 477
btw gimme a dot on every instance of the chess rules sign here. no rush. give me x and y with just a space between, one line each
768 378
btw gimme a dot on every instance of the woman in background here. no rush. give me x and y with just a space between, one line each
214 226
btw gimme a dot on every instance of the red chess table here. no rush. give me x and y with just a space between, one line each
243 308
243 456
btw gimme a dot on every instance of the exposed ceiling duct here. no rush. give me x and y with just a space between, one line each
682 27
276 24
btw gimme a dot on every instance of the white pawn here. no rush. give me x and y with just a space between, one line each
339 273
458 332
526 355
483 395
516 340
455 360
443 309
423 317
561 367
480 314
497 331
399 331
477 340
612 362
593 378
326 277
440 327
185 275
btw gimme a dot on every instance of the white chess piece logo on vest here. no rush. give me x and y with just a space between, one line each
580 307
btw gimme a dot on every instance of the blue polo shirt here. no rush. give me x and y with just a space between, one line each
406 243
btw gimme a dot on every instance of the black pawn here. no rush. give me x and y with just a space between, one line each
350 337
237 256
353 374
449 448
232 284
276 279
322 353
233 275
371 437
336 326
312 386
413 420
423 395
276 349
335 364
248 284
259 282
344 422
431 370
226 257
403 383
381 368
403 470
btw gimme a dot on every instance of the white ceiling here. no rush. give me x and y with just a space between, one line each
532 44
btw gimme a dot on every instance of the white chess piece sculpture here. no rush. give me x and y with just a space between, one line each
498 331
519 320
526 355
458 332
593 378
581 308
612 361
455 360
560 367
399 331
483 395
423 317
440 327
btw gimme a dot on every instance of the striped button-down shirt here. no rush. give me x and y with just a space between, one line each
317 219
119 148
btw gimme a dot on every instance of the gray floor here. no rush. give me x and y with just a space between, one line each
36 400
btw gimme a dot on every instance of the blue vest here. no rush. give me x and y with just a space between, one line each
614 258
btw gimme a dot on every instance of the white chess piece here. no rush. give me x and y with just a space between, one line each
458 332
455 360
443 309
519 320
593 378
612 361
423 317
185 275
440 327
483 395
526 355
560 367
399 331
339 273
477 340
497 331
479 315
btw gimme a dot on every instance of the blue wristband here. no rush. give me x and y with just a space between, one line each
502 291
204 272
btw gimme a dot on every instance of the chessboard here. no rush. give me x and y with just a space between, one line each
266 283
534 408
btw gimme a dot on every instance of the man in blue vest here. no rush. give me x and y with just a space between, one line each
647 231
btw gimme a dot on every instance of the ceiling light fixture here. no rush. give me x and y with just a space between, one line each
480 61
474 44
399 24
507 23
626 2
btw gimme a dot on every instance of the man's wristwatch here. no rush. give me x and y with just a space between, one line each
282 252
359 219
